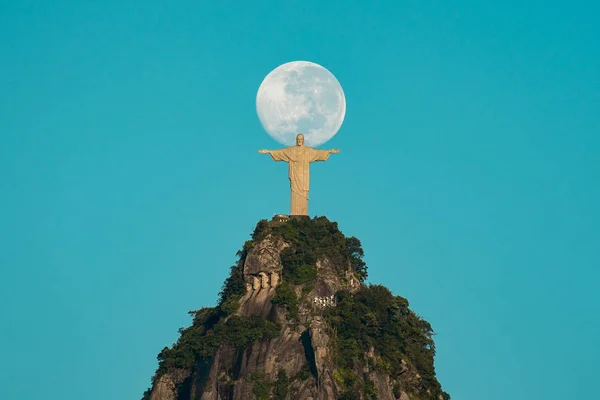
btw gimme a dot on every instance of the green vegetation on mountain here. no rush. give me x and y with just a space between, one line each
374 318
286 297
209 331
310 240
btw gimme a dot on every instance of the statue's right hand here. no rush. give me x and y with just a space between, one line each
263 151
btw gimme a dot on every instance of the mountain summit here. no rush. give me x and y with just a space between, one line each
295 320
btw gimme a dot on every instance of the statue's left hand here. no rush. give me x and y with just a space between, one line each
263 151
335 151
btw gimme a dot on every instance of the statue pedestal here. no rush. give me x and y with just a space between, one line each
299 216
285 217
280 217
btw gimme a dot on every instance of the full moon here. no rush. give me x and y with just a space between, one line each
301 97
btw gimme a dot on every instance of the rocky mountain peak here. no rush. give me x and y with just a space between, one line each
296 321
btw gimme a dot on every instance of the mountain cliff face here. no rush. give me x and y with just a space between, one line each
294 320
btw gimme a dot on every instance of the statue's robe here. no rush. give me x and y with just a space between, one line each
299 159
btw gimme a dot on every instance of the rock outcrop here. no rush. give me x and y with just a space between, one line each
300 360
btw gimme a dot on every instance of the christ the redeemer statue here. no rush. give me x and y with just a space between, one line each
299 158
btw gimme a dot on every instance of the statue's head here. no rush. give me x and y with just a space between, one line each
300 140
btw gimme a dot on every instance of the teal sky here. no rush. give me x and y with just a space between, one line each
129 178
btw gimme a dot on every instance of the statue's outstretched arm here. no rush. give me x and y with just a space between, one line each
322 155
277 155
